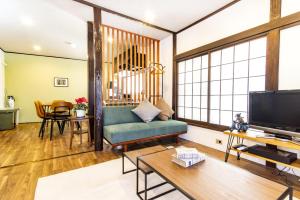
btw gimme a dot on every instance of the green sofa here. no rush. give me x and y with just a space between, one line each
123 127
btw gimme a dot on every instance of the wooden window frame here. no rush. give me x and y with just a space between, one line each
207 124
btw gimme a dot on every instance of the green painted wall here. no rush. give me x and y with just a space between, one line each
29 78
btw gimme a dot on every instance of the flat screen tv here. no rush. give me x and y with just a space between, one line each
278 110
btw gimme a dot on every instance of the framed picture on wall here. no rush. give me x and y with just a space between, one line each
61 82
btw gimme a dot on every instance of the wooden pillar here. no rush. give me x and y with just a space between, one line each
98 117
91 75
272 56
174 75
273 42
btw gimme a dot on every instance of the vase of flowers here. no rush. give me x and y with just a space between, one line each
81 107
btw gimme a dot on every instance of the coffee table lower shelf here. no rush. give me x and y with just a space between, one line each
133 157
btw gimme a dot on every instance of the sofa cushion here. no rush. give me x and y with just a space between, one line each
119 115
146 111
166 110
133 131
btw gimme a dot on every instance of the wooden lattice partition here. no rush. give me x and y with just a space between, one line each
126 76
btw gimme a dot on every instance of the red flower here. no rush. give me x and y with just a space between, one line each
81 100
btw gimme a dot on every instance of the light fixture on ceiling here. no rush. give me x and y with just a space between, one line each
26 21
149 16
37 47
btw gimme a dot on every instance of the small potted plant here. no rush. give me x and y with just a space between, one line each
81 107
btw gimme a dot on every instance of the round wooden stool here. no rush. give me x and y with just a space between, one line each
78 121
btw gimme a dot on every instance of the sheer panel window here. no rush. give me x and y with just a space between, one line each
235 71
192 88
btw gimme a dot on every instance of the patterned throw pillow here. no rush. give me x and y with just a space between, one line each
146 111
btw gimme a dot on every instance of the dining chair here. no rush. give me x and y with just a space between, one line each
41 113
61 112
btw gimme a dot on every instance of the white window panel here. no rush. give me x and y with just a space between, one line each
226 87
180 100
241 86
258 47
181 78
188 102
204 75
257 67
240 103
215 102
227 71
227 55
203 101
188 89
204 61
214 116
257 84
289 7
196 114
196 88
189 65
243 114
215 73
180 112
241 69
215 88
180 89
204 115
226 102
241 52
188 113
226 118
215 58
197 76
204 88
196 101
181 67
188 77
197 63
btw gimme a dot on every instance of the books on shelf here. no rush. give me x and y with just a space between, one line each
187 156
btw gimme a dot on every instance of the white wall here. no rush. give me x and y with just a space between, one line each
289 62
241 16
166 59
2 80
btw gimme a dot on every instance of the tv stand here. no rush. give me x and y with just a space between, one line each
256 137
282 136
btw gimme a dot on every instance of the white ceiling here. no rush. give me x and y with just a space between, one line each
170 14
55 22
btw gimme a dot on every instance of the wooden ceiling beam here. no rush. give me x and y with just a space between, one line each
123 15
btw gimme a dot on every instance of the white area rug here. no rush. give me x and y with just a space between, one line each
99 182
102 181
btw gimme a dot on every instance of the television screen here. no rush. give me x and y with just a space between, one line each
279 110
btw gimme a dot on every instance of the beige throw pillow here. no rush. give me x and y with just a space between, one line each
166 110
146 111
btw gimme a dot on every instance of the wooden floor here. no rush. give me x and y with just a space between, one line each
24 158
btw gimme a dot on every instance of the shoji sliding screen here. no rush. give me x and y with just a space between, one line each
128 77
214 87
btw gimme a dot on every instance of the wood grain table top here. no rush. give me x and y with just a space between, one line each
213 179
132 155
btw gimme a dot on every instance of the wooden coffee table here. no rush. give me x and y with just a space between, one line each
213 179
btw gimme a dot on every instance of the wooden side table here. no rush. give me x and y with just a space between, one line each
79 122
